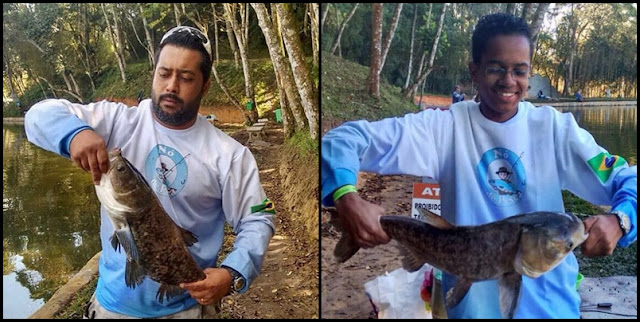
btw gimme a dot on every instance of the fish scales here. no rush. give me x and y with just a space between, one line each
154 245
461 251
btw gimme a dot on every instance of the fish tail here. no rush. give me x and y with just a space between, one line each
346 246
168 291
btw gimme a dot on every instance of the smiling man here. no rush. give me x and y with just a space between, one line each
201 176
494 159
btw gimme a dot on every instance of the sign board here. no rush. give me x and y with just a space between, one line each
425 195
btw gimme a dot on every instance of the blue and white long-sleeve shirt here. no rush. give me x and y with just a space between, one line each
488 171
201 176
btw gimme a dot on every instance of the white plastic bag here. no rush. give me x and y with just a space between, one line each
396 295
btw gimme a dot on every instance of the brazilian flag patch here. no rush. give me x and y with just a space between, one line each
604 163
266 206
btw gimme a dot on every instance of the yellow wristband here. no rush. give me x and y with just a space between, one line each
343 191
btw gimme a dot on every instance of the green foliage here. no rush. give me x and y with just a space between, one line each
11 110
75 309
344 95
303 142
623 261
605 56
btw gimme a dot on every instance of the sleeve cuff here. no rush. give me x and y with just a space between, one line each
335 180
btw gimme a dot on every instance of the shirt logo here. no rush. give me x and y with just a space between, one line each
501 176
604 163
167 169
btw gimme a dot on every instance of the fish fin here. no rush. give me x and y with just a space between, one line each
188 237
134 273
509 289
168 291
346 246
125 237
114 242
411 261
435 220
457 292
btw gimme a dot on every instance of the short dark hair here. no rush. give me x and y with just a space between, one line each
497 24
195 40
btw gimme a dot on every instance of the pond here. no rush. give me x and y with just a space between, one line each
50 210
50 223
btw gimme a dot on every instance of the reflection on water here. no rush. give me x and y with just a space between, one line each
613 127
50 223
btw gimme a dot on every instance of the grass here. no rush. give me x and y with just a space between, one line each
303 142
75 309
344 94
623 261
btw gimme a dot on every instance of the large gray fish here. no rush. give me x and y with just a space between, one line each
155 246
527 244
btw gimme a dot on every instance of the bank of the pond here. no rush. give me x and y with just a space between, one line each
13 120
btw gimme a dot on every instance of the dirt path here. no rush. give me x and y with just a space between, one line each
343 293
288 285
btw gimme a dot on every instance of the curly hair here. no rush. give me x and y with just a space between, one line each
494 25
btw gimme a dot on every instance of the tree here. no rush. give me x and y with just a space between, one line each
410 92
240 30
301 74
116 40
413 36
343 24
389 36
376 51
282 70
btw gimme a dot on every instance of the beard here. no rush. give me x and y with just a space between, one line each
187 111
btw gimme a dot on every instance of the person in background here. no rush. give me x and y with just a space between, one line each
578 96
457 96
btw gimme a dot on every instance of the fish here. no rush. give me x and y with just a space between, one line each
154 245
529 244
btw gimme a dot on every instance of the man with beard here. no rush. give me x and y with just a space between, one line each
201 176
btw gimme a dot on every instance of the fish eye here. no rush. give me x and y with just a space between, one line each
120 167
570 245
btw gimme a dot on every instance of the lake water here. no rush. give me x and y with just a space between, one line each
50 223
50 211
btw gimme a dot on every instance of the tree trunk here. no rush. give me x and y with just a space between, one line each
301 73
389 37
239 31
84 35
423 75
324 14
315 32
536 24
118 32
281 66
215 26
282 71
176 14
110 31
232 42
413 36
376 51
150 47
226 92
511 8
526 11
336 42
12 91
